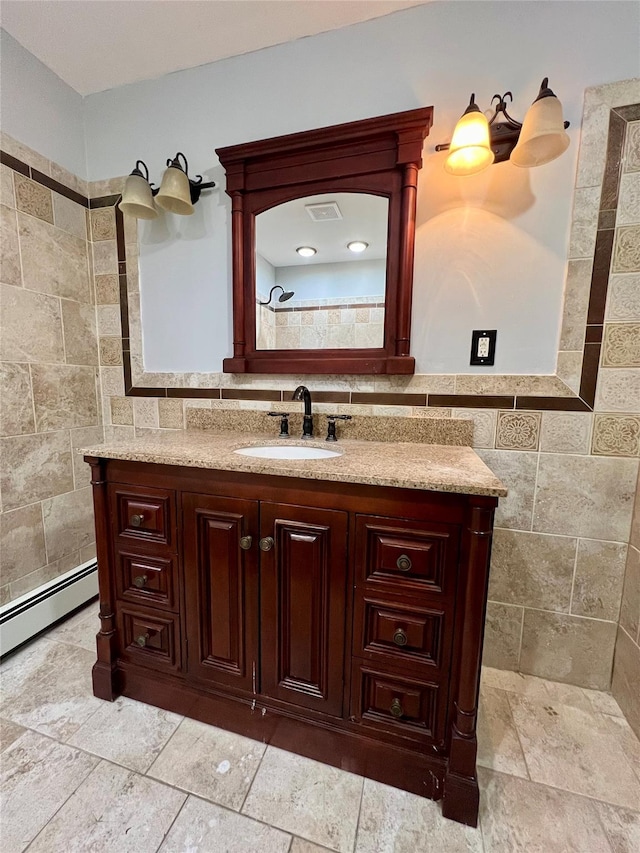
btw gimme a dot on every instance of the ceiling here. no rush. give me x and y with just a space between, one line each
95 45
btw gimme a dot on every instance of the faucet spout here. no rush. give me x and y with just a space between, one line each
303 393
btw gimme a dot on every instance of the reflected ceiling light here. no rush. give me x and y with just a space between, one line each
306 251
177 193
478 142
357 246
286 294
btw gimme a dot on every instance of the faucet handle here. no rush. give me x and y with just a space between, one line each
331 425
284 422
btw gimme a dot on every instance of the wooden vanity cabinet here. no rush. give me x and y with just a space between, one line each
340 621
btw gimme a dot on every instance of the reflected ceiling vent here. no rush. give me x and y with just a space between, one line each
326 211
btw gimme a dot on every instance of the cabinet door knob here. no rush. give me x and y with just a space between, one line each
142 640
140 581
266 544
396 708
246 542
403 563
136 520
400 637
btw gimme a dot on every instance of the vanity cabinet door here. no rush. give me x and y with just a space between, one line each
303 587
221 589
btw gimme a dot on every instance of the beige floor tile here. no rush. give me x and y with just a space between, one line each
317 802
627 738
113 811
574 750
498 743
299 845
536 689
209 762
80 629
207 828
522 817
393 821
130 733
622 827
38 775
603 702
9 732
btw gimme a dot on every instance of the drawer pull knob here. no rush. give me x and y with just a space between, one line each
400 638
136 520
246 542
396 709
140 581
266 544
403 563
142 640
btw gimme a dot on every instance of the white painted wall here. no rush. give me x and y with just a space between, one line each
38 109
490 250
324 281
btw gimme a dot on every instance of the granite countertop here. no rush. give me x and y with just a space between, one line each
408 465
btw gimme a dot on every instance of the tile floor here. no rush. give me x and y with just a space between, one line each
560 771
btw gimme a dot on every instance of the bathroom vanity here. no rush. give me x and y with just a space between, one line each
336 612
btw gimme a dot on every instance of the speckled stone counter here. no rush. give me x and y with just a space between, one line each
407 465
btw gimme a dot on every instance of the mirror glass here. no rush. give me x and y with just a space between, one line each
332 298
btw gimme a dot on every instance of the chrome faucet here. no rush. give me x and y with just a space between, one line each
303 393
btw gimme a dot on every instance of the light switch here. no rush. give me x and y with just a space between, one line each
483 346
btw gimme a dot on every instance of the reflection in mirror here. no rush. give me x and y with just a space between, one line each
330 298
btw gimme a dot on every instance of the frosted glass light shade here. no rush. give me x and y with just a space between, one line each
470 148
175 195
543 137
137 198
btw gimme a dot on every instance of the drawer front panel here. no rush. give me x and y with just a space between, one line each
146 580
407 635
146 517
149 639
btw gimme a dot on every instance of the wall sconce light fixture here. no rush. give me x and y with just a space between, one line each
286 294
478 142
176 194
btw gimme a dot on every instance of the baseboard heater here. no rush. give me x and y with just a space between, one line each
34 612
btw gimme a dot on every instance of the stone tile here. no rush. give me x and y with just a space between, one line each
69 180
597 586
586 496
23 548
317 802
38 775
68 522
567 648
51 571
145 412
593 144
80 438
531 569
171 414
629 199
30 326
574 750
105 258
109 321
9 732
622 827
16 412
122 411
299 845
566 432
64 395
110 351
498 744
616 435
210 762
632 148
33 198
537 690
576 301
22 152
517 471
621 344
10 270
80 339
518 430
114 809
7 194
203 826
394 821
625 683
109 186
126 732
107 290
53 261
103 224
69 216
34 467
618 390
623 298
512 815
112 381
623 732
626 250
630 608
584 222
79 629
603 702
50 689
484 425
569 369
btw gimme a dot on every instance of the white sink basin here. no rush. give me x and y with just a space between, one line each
282 451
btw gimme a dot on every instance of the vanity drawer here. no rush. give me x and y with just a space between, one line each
149 639
406 556
144 516
143 579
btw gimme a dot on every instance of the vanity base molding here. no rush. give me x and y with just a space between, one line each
339 621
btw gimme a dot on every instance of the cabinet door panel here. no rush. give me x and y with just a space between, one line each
221 589
303 588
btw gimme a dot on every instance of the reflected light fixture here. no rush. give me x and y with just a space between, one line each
478 142
286 294
177 193
357 246
306 251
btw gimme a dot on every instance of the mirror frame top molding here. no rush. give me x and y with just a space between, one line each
380 155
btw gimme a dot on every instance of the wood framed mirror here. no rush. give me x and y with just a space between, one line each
331 308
